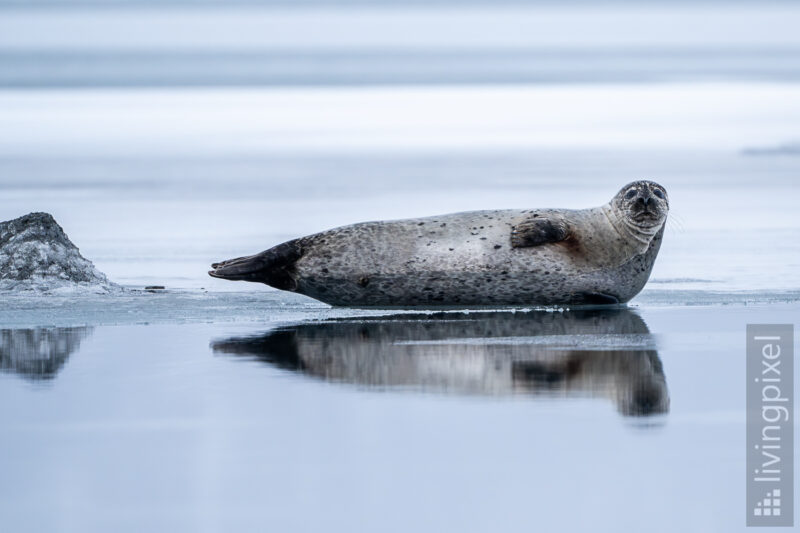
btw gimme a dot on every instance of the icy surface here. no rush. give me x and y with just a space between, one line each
272 307
36 255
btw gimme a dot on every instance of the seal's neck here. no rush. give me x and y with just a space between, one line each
638 237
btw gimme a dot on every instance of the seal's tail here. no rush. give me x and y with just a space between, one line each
275 267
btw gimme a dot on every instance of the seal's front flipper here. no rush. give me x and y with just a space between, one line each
275 267
538 230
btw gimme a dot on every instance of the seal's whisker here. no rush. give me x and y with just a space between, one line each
675 223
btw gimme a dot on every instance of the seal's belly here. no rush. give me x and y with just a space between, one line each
460 288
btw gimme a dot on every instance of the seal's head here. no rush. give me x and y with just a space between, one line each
644 205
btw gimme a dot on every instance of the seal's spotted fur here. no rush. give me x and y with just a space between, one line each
601 255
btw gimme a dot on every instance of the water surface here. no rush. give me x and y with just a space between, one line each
469 421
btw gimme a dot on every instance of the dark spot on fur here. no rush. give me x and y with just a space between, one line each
325 270
498 246
363 281
421 224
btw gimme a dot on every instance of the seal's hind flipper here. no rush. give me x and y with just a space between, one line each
275 267
538 230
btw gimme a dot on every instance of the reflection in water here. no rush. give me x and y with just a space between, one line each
38 353
606 353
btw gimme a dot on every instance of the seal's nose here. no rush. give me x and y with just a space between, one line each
644 200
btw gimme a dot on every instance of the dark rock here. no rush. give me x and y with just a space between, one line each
36 254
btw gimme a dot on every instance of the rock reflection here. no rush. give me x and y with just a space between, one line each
592 353
39 353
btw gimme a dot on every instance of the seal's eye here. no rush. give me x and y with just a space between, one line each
630 194
658 193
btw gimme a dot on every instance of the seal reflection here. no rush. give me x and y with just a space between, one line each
589 353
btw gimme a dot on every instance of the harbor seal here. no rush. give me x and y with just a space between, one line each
601 255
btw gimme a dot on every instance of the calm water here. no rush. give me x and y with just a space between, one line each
472 421
166 138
